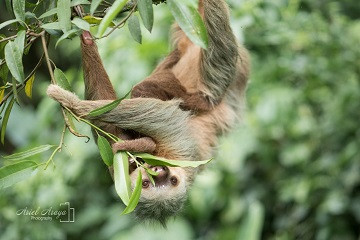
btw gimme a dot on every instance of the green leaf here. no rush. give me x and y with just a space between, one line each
150 178
19 9
4 70
134 28
30 15
95 20
145 8
82 24
159 161
13 58
251 226
9 7
5 120
107 107
135 196
117 6
79 2
70 120
105 150
28 153
20 41
29 86
4 24
121 177
61 79
64 14
52 25
68 34
190 21
151 172
2 92
14 89
94 5
48 13
17 172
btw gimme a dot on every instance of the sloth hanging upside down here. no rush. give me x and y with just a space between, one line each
178 112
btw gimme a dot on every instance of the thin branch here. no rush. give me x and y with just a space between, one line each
8 38
43 41
58 149
72 131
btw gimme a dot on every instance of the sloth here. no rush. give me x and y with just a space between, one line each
193 97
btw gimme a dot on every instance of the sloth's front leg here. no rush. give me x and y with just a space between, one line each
143 144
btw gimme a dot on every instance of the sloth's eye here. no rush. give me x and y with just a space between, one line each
174 181
145 183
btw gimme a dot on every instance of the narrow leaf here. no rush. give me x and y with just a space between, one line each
145 8
252 225
15 91
108 107
79 2
2 92
68 34
117 6
61 79
5 120
151 172
13 59
29 86
105 150
189 19
95 20
135 196
19 9
30 15
28 153
121 177
52 25
20 41
9 7
64 14
94 5
69 120
48 13
82 24
15 173
4 24
134 28
159 161
151 178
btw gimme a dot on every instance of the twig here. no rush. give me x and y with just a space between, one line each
8 38
57 149
72 131
111 136
47 58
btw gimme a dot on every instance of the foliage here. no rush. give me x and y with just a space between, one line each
290 171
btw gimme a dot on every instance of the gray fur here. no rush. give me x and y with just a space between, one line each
164 121
160 210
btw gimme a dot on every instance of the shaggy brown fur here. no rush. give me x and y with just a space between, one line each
208 84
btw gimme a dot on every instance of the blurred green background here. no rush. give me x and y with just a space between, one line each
291 170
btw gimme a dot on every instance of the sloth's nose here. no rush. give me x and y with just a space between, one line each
163 173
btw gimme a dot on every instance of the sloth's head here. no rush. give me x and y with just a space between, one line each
167 197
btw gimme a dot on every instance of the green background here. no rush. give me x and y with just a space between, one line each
290 170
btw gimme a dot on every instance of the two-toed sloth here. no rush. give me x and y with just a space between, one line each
178 112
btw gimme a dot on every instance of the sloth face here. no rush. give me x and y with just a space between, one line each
169 183
165 199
